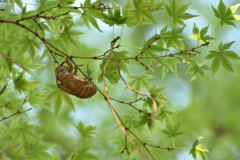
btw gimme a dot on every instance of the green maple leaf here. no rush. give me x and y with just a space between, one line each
68 35
155 94
111 72
86 131
90 14
24 131
84 154
39 150
163 113
198 150
173 131
173 38
127 12
222 56
114 17
200 36
153 47
198 69
21 84
112 69
140 82
27 44
177 12
144 10
57 96
145 119
120 143
87 17
226 15
170 64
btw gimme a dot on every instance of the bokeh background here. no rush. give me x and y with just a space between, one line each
208 107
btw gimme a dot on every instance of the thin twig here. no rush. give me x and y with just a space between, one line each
75 150
3 89
130 139
117 118
156 146
18 111
128 103
36 15
13 61
36 34
155 57
136 91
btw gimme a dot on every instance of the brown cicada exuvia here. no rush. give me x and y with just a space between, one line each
69 82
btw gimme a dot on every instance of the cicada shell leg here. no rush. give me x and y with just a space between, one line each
62 63
70 65
76 68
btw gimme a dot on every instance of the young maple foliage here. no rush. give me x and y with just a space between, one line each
134 113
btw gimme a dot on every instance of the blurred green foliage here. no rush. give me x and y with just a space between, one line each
183 41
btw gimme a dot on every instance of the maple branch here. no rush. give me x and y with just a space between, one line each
13 61
184 52
3 89
18 111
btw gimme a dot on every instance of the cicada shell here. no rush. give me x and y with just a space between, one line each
71 83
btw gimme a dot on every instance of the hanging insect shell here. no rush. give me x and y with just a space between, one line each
71 83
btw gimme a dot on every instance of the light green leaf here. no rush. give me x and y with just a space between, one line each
198 69
200 36
202 148
174 39
26 44
21 84
120 142
198 150
57 96
57 102
140 82
201 155
86 131
236 17
145 119
68 100
215 64
178 126
86 17
163 113
170 64
166 132
169 127
227 16
112 69
223 47
156 48
234 8
144 10
222 57
177 12
173 131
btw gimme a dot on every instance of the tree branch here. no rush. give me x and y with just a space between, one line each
6 56
18 111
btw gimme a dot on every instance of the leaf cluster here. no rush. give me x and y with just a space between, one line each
198 150
32 41
173 131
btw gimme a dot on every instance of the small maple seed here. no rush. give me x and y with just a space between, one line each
69 82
